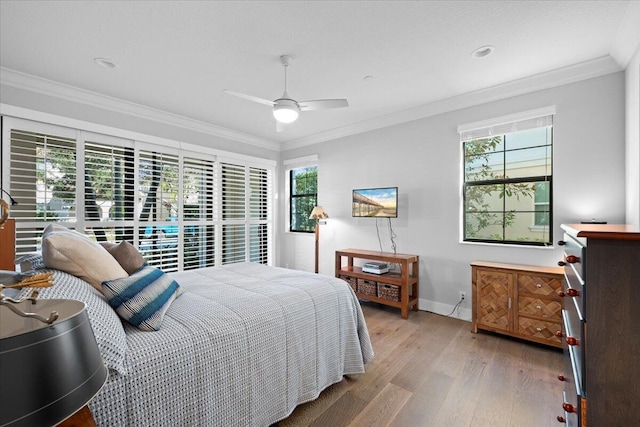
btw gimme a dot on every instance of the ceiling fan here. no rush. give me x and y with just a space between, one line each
286 109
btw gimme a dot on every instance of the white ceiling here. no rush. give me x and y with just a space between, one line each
179 56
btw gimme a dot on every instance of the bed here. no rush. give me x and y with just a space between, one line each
243 345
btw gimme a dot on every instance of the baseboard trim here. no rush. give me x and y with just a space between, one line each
463 312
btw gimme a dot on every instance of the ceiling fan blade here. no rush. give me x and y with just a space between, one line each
322 104
250 97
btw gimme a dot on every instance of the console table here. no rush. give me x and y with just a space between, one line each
394 289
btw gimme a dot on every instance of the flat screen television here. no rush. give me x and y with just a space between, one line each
375 202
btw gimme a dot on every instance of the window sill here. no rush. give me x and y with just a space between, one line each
507 245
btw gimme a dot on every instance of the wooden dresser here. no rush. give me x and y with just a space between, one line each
601 318
517 300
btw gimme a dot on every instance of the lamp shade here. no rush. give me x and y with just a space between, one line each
318 212
47 371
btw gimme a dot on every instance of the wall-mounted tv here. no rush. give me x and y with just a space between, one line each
375 202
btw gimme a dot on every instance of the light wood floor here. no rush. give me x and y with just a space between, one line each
430 370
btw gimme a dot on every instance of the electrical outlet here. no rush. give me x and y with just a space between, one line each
463 296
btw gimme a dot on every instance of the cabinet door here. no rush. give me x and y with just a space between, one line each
493 294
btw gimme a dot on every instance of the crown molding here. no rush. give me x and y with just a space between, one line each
562 76
574 73
627 40
19 80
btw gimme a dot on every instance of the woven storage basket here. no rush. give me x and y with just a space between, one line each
367 287
390 292
352 281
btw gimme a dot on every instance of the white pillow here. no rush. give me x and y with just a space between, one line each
75 253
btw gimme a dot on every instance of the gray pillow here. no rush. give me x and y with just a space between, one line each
129 258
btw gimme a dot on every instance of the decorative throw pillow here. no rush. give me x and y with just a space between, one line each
143 298
127 256
77 254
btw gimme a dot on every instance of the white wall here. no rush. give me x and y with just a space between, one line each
632 85
423 159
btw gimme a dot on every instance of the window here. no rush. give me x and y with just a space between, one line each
303 197
507 194
182 209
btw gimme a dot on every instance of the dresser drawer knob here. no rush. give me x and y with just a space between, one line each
559 334
568 407
561 263
562 378
538 285
573 341
538 307
573 292
561 419
570 292
561 242
571 259
539 329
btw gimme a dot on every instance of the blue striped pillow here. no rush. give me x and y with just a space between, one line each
143 298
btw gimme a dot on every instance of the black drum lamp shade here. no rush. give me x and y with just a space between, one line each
47 371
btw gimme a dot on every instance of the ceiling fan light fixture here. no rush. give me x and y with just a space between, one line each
286 111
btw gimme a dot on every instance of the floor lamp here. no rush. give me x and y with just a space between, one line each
318 213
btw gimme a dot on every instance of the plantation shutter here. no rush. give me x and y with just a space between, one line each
109 193
43 182
158 183
259 210
180 206
233 213
198 189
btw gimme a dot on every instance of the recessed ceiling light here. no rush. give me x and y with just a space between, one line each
105 63
483 51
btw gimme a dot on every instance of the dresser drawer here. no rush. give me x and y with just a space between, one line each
539 285
573 329
540 307
572 394
574 256
539 329
573 290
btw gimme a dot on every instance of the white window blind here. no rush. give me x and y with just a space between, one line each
43 181
199 207
259 208
182 209
109 192
158 183
533 119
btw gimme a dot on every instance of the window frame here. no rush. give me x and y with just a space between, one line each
290 166
503 127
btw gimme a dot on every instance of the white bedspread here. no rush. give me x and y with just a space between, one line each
243 346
